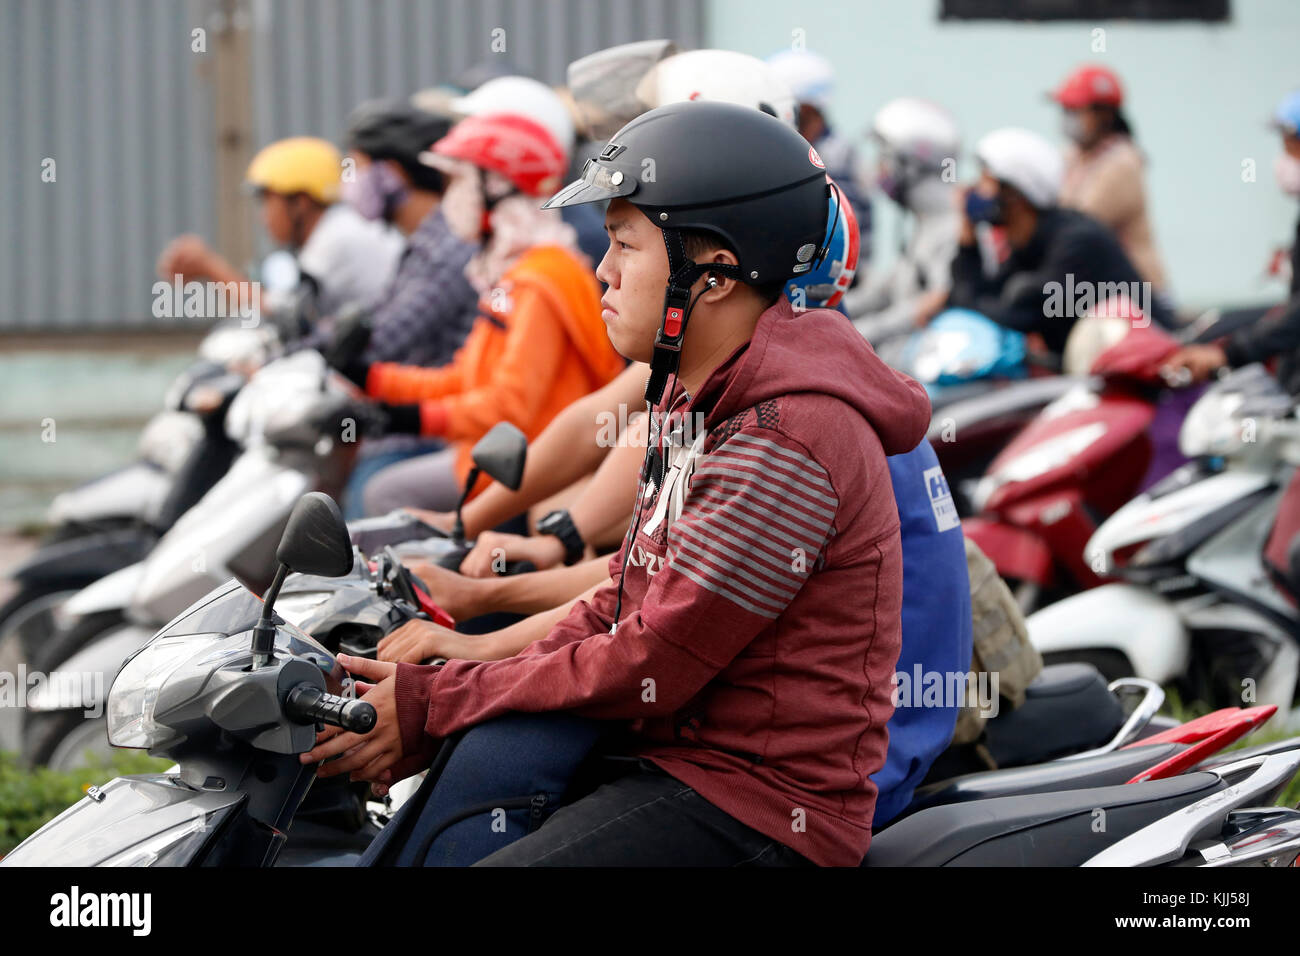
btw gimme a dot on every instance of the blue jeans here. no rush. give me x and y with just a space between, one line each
502 780
367 465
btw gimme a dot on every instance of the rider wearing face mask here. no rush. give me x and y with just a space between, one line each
429 307
537 343
918 142
1103 167
1060 261
1279 335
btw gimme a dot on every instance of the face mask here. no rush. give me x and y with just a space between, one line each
1286 170
1074 127
981 208
376 193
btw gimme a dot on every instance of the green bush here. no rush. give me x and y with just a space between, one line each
30 797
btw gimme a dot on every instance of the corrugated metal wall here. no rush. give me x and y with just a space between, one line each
113 93
108 91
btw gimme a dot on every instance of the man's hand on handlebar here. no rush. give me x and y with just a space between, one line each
1201 361
418 641
459 596
370 756
492 551
442 520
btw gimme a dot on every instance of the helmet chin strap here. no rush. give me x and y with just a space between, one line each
678 305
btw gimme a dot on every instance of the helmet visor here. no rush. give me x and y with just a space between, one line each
600 181
604 85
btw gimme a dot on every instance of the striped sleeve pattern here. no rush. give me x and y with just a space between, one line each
755 522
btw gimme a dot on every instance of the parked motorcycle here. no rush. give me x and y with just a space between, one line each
232 692
1086 454
984 386
114 520
1195 606
231 533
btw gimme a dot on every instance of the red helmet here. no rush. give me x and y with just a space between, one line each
520 149
1089 86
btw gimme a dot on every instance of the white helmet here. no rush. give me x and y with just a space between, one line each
809 76
1025 161
722 76
918 130
522 96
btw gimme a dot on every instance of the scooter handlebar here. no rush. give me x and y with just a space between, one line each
308 704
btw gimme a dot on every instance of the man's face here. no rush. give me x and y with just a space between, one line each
277 218
635 269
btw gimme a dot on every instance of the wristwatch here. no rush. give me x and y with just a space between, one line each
560 524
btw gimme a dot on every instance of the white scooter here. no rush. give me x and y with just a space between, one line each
1195 605
231 532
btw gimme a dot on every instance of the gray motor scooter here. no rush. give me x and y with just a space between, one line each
233 694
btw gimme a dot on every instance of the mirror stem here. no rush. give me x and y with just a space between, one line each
264 631
458 532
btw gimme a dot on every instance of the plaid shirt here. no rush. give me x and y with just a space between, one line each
426 314
430 305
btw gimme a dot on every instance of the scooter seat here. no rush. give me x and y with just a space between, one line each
1067 709
1043 829
1103 770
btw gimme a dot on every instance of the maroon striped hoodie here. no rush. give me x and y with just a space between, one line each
760 622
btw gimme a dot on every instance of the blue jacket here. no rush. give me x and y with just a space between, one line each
936 622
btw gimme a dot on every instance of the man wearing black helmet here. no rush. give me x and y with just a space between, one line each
748 639
430 306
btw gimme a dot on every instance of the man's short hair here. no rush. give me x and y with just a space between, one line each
701 243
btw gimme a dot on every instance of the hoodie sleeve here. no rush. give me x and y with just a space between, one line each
755 523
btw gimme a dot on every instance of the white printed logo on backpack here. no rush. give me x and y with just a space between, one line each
945 510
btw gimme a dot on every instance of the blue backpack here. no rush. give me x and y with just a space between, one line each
937 629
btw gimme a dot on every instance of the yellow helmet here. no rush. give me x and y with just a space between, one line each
302 164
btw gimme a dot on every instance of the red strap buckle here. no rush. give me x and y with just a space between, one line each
673 323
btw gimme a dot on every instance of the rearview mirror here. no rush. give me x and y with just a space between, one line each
315 541
501 454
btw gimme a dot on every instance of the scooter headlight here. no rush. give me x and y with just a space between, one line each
134 695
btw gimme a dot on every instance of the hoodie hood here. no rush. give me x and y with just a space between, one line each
820 351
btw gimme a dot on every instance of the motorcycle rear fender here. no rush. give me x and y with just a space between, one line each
112 592
1016 552
1143 626
135 491
86 557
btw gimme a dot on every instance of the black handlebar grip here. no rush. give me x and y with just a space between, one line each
308 704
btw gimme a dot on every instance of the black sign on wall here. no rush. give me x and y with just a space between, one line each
1205 10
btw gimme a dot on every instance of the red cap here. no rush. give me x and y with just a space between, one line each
518 148
1089 86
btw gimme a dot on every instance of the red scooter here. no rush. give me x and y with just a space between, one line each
1085 455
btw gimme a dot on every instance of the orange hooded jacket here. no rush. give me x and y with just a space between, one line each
537 345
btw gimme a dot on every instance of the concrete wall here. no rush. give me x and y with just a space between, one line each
1200 96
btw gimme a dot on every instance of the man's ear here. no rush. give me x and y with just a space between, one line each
716 285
